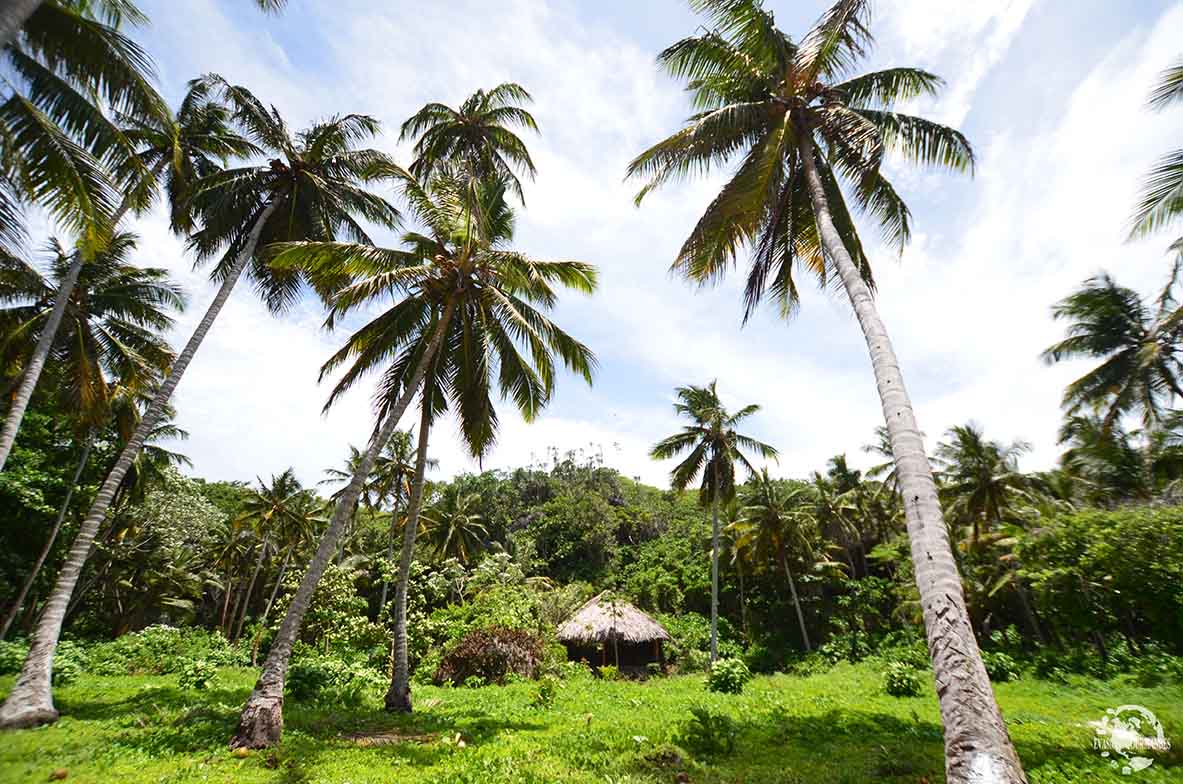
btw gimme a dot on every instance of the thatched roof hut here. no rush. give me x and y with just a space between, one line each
601 621
605 630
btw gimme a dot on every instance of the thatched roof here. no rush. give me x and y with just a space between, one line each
605 621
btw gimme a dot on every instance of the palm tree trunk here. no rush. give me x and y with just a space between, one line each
389 553
261 723
53 535
714 564
743 603
977 746
250 588
784 562
24 393
13 15
32 374
31 701
398 697
226 603
283 568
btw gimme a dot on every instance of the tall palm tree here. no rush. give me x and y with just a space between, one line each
473 318
453 525
714 447
477 136
314 189
392 475
811 135
1137 343
773 524
981 477
1161 200
58 147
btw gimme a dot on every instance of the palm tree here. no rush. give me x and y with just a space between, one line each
266 512
881 448
773 524
475 137
1138 346
1161 201
58 147
392 475
111 329
453 526
313 190
471 305
714 447
811 134
981 478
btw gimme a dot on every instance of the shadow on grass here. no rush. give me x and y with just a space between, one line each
844 745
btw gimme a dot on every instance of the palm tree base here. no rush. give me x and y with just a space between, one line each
260 725
398 701
25 716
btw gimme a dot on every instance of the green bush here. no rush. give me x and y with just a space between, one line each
728 676
196 674
1000 667
1156 669
901 680
546 692
329 680
12 656
690 643
707 733
608 672
159 650
65 670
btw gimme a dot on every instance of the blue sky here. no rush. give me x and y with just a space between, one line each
1050 94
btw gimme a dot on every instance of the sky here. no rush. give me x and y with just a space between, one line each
1051 94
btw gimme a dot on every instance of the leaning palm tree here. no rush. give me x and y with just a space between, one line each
476 136
313 189
1137 344
981 478
714 448
1161 201
453 526
811 136
59 149
469 306
774 523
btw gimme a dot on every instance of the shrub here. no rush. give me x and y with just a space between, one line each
708 733
1158 668
694 661
12 656
608 672
159 650
1000 667
65 670
654 670
491 654
196 674
900 680
574 671
728 676
330 680
547 691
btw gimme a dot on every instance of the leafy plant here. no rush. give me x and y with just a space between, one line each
901 680
608 672
196 674
546 692
1000 666
728 676
12 656
490 655
708 733
329 680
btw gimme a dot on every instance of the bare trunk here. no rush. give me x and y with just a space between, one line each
743 603
13 15
261 723
250 589
24 393
31 701
398 697
283 568
714 564
53 535
226 603
977 746
784 562
389 552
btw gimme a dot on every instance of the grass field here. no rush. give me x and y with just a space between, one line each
836 727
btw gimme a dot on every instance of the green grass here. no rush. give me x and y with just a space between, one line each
836 727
